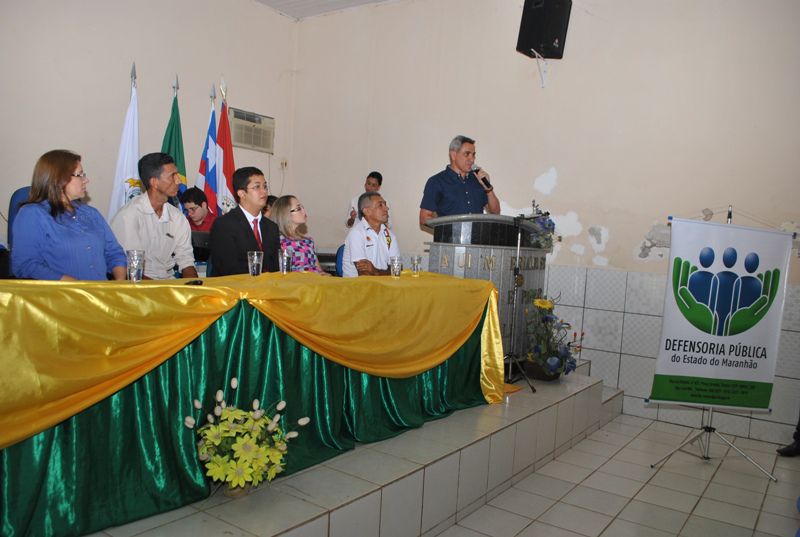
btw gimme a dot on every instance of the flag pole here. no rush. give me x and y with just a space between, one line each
223 89
175 86
133 74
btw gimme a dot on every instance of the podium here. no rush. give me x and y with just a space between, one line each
484 246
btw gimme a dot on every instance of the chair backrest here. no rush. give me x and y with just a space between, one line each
17 198
339 259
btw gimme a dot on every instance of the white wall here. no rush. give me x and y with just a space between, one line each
65 79
658 108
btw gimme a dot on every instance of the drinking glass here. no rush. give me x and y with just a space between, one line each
416 265
255 260
135 260
285 261
395 266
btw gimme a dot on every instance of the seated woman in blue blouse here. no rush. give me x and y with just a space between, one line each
56 235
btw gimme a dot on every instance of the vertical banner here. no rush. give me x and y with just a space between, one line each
126 177
722 315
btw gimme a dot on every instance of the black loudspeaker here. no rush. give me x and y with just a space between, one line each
544 28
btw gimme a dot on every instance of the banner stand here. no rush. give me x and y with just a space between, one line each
705 444
703 434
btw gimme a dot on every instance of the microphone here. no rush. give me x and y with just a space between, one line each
485 181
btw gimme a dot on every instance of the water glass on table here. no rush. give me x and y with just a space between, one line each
395 266
255 260
135 259
416 265
285 261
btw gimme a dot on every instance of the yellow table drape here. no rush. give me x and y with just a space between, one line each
68 345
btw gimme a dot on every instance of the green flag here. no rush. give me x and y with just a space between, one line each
173 142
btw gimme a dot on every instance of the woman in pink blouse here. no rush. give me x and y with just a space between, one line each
291 217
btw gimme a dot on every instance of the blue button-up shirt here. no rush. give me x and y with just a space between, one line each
446 194
80 244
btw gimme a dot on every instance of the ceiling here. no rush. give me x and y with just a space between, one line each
301 9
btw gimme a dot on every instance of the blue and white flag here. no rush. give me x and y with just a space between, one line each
207 175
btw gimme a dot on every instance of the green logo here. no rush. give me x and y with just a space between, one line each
724 303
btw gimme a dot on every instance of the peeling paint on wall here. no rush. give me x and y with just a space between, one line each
578 249
600 260
598 236
546 182
567 225
655 246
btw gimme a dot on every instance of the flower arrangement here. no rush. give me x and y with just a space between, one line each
242 447
551 351
544 227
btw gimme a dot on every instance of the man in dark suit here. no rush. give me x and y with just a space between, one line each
244 229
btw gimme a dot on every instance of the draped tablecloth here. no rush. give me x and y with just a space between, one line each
97 377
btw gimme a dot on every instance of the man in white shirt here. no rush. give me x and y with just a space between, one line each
149 223
369 244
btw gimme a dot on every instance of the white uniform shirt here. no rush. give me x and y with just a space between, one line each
363 243
166 240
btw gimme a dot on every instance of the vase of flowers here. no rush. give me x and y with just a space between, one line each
242 448
552 352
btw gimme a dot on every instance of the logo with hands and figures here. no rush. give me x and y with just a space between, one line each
727 302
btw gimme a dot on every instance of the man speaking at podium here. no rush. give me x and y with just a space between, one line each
461 188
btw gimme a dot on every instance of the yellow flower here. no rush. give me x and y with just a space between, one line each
232 414
543 303
245 448
217 468
214 434
239 473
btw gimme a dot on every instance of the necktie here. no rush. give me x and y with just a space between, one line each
257 233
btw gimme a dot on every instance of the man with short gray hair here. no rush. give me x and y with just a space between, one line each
369 244
462 188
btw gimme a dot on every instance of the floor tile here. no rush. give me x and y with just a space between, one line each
546 486
608 437
401 507
745 481
628 470
650 446
540 529
324 486
596 448
197 525
734 495
413 447
522 503
726 512
595 500
781 506
582 459
784 475
460 531
495 522
777 525
642 458
635 421
576 519
620 486
361 517
782 489
689 465
698 526
256 512
654 516
622 429
564 471
671 499
682 483
317 527
374 466
137 527
672 428
662 437
623 528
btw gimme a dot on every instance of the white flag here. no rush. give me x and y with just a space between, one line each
126 179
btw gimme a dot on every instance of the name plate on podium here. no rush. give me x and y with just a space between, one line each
484 246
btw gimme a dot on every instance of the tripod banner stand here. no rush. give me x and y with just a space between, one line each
722 318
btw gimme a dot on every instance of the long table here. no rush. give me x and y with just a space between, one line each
98 377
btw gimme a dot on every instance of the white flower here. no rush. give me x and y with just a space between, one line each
223 404
282 446
217 410
203 457
189 422
256 404
210 418
258 413
302 422
219 396
291 434
281 406
197 404
234 383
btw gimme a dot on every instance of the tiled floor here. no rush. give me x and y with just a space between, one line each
479 464
604 486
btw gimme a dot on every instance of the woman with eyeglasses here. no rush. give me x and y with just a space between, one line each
57 235
291 218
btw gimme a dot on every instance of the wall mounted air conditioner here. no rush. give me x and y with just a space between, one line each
252 131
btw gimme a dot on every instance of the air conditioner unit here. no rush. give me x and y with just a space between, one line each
252 131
